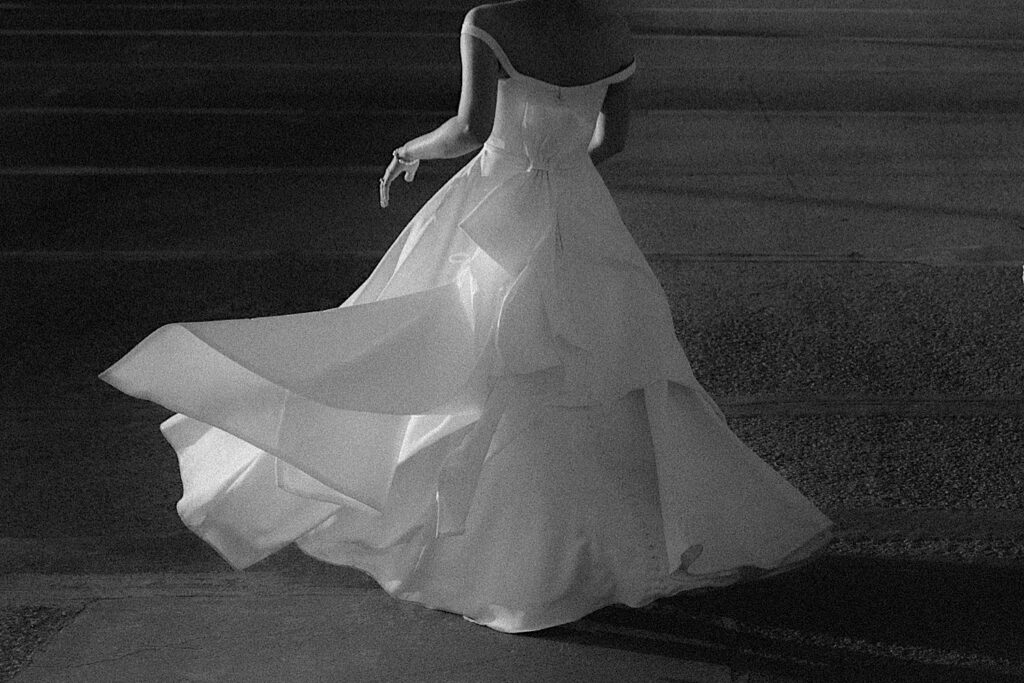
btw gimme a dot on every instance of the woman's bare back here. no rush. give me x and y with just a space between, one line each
565 44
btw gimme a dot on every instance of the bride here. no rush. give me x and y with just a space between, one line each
500 421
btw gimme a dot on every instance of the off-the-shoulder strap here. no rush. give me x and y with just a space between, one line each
622 75
506 63
483 35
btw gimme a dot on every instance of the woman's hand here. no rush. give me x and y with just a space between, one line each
397 167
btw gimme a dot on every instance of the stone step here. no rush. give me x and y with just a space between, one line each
662 143
462 6
898 187
465 5
360 70
114 565
939 219
165 559
941 20
693 85
442 49
882 479
171 138
227 17
802 625
846 338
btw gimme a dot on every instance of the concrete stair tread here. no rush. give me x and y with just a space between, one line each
274 637
647 5
672 143
119 565
952 219
441 49
693 85
940 20
324 68
846 285
844 333
882 478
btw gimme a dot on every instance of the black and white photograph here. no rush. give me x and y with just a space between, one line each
532 341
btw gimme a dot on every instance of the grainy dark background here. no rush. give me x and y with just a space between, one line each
829 191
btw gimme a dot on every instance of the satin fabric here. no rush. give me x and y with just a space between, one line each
499 422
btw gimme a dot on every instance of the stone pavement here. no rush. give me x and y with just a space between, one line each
844 618
828 190
350 633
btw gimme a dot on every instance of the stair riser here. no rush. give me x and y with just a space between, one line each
671 143
951 220
893 22
766 330
357 50
362 71
878 478
437 89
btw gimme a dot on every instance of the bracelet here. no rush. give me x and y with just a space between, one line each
397 154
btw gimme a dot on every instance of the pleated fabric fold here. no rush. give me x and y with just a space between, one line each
499 422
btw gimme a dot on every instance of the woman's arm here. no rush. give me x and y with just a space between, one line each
612 127
613 122
471 126
464 132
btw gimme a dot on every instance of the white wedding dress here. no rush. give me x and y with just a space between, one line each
499 422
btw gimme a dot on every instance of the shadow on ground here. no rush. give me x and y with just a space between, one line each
841 618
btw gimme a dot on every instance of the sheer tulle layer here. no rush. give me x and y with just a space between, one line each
499 422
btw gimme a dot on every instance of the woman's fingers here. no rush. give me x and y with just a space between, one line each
385 186
395 169
385 182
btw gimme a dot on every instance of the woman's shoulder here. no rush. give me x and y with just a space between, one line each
484 16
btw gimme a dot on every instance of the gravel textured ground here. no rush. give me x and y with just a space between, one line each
25 629
763 329
82 459
773 141
100 472
923 582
